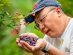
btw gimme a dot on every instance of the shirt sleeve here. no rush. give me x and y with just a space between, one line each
71 45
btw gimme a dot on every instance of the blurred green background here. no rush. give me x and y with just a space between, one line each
8 8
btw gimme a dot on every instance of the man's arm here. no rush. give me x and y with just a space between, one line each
71 45
54 51
41 43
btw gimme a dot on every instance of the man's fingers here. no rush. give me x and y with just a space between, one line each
20 45
40 44
28 34
31 48
24 34
25 47
17 40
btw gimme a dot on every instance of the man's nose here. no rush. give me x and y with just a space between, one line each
41 26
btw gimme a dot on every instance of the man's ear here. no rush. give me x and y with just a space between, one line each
58 10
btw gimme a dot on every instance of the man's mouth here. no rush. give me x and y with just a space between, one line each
47 31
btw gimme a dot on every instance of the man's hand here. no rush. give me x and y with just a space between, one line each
40 44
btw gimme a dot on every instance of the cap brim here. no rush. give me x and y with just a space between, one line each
30 18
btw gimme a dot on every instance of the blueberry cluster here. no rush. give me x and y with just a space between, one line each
31 40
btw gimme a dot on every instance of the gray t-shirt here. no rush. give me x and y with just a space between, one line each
65 43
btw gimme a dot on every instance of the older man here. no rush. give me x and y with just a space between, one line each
57 26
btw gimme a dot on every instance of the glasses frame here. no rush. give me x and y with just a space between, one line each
40 21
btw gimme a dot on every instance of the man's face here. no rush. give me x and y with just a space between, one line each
49 22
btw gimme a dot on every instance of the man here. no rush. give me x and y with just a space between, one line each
57 26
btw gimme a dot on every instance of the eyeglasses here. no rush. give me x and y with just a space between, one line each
37 25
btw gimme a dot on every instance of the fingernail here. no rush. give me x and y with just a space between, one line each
21 41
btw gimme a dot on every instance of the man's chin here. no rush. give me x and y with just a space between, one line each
52 35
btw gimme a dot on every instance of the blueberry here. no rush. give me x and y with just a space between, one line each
30 40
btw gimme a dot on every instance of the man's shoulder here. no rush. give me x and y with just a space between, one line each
71 23
69 28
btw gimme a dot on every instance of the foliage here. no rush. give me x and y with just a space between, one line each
8 8
5 15
8 44
67 7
